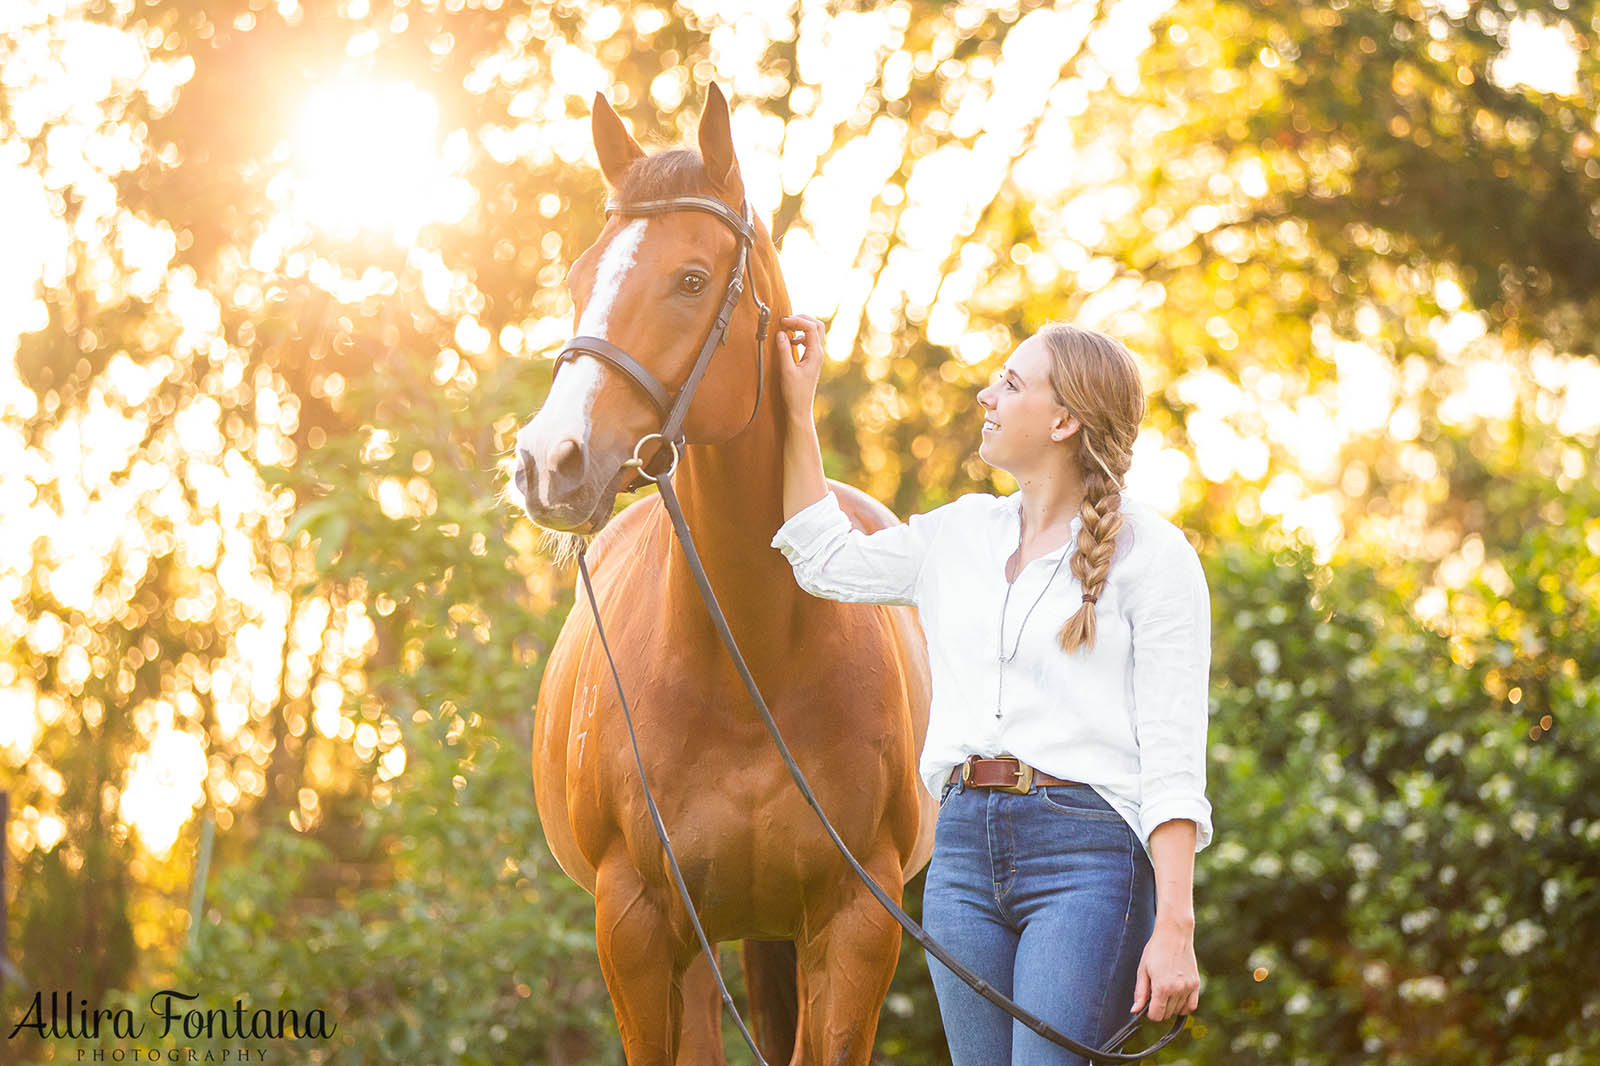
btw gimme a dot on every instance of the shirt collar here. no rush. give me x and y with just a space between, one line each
1011 526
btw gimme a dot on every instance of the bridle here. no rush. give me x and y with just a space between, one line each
675 409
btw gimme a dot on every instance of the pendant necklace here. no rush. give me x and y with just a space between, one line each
1000 651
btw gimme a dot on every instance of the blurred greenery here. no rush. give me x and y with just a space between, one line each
257 567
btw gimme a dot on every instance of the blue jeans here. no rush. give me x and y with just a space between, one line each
1050 898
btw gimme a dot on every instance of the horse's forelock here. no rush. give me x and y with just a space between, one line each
678 172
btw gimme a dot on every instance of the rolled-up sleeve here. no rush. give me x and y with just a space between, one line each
1171 619
834 560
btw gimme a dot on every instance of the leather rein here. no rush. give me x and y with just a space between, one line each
675 410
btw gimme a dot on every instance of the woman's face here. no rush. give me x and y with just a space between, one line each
1022 419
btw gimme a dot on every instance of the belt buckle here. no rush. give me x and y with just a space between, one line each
966 772
1024 783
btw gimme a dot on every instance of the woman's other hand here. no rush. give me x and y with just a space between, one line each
800 359
1169 975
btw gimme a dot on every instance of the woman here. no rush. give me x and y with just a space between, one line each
1069 637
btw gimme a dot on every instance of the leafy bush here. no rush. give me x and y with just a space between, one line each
1406 858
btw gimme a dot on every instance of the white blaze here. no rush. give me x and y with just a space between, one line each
567 409
615 262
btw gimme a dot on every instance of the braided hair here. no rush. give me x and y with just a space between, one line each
1097 379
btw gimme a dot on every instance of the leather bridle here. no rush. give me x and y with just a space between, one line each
675 408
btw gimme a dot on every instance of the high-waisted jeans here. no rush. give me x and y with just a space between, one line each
1049 897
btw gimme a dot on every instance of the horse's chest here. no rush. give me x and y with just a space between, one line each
740 827
729 805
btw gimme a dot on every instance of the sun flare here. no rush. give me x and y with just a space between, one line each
366 157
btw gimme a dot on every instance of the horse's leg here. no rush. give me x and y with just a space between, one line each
639 960
847 964
700 1039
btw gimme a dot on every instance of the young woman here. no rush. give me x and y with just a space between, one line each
1069 637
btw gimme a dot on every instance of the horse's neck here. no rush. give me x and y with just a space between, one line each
732 496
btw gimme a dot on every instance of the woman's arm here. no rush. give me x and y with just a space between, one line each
830 557
1170 612
803 480
1168 972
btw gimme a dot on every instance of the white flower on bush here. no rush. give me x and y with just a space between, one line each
1266 865
1521 937
1416 921
1364 857
1430 989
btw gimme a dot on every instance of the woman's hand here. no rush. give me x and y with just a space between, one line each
800 359
1168 973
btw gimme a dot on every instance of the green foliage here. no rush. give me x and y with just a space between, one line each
464 945
1405 856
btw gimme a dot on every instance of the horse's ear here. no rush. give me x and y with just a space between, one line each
716 148
612 143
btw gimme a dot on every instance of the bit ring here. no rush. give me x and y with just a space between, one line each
638 464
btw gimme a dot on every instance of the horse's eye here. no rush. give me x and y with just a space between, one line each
692 283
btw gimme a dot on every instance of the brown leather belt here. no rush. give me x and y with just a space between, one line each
1005 773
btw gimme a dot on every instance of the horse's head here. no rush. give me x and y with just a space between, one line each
650 289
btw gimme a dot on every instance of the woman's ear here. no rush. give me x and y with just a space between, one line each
1064 427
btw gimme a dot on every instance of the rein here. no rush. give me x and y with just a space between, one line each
672 435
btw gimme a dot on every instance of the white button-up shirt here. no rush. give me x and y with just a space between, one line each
1127 717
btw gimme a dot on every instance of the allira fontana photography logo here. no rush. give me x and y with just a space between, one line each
171 1014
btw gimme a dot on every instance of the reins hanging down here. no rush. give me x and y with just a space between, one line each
671 436
660 826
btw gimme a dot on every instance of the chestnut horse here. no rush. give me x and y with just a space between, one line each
847 684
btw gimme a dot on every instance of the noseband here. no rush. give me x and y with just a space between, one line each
675 409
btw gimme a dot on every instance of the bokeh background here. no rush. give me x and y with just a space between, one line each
280 278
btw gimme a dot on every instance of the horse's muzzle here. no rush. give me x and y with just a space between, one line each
556 493
561 494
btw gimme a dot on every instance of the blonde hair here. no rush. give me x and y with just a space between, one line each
1096 379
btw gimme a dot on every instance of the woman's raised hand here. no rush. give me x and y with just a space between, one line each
800 360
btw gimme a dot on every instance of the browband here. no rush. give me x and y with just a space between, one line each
741 225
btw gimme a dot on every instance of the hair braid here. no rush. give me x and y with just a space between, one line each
1091 563
1097 380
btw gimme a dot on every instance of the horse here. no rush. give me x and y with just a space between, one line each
847 684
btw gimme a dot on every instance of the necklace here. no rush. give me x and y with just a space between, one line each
1000 650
